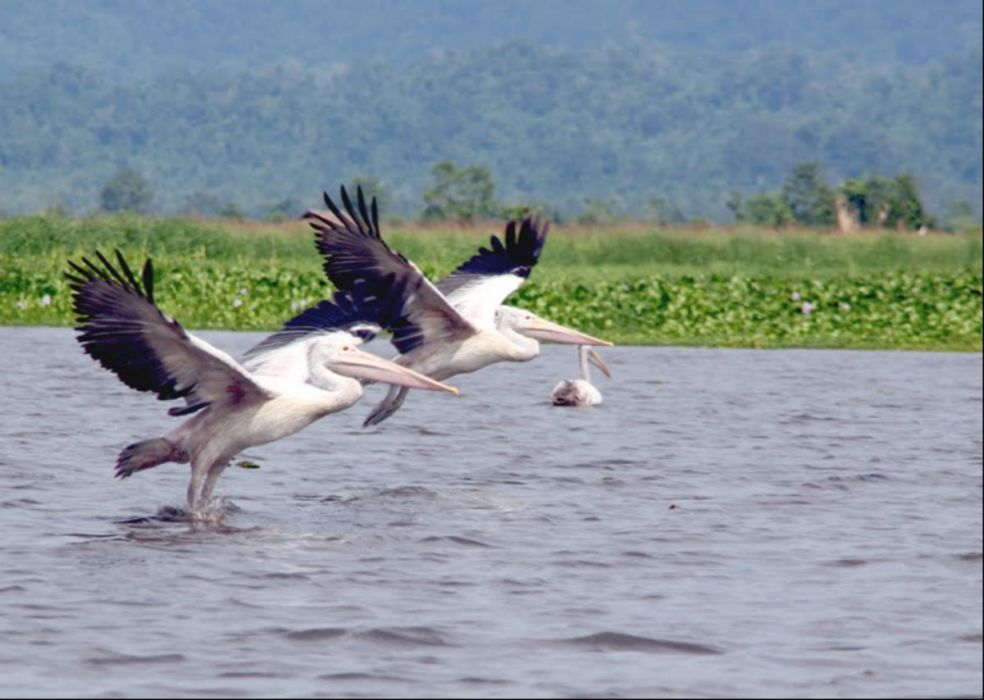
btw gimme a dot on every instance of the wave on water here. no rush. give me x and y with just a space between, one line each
620 641
456 539
110 658
384 636
316 634
215 511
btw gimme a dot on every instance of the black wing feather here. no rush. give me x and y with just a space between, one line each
123 330
518 256
356 311
101 298
358 260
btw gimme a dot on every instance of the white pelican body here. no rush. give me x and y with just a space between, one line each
460 325
580 392
281 389
575 392
470 355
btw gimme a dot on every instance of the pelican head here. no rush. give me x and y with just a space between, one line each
528 324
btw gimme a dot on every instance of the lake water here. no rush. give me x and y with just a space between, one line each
728 523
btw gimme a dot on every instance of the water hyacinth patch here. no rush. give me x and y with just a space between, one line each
743 290
903 310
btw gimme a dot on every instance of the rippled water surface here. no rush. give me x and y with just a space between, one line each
729 522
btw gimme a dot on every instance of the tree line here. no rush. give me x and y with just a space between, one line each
806 199
467 194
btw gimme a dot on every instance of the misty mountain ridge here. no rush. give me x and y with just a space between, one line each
622 118
139 39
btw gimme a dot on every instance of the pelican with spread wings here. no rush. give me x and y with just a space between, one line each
287 382
458 326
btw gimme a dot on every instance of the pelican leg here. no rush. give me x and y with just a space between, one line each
213 476
387 407
205 473
198 472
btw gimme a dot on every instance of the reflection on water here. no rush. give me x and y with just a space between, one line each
727 523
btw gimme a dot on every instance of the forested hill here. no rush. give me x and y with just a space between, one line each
619 124
127 39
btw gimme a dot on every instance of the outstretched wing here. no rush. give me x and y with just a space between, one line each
484 281
122 328
357 259
358 312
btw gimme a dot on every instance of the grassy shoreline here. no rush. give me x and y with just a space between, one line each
632 284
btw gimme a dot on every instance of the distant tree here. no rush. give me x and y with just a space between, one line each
886 202
58 210
865 195
522 209
736 205
905 205
767 210
127 190
201 204
283 210
372 187
597 212
810 200
231 210
516 211
959 216
460 194
662 211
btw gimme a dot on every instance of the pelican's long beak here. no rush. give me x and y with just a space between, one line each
596 360
551 332
365 365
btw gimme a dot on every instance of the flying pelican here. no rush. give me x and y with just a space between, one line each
581 392
458 326
288 383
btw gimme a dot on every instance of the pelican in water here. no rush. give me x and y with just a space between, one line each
581 392
458 326
287 383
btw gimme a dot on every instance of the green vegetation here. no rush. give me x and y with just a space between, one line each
805 199
250 33
900 310
460 194
747 287
891 202
600 132
126 191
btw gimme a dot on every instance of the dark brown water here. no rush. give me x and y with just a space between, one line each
728 523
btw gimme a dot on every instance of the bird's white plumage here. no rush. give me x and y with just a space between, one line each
478 299
580 392
575 392
285 387
455 327
289 363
